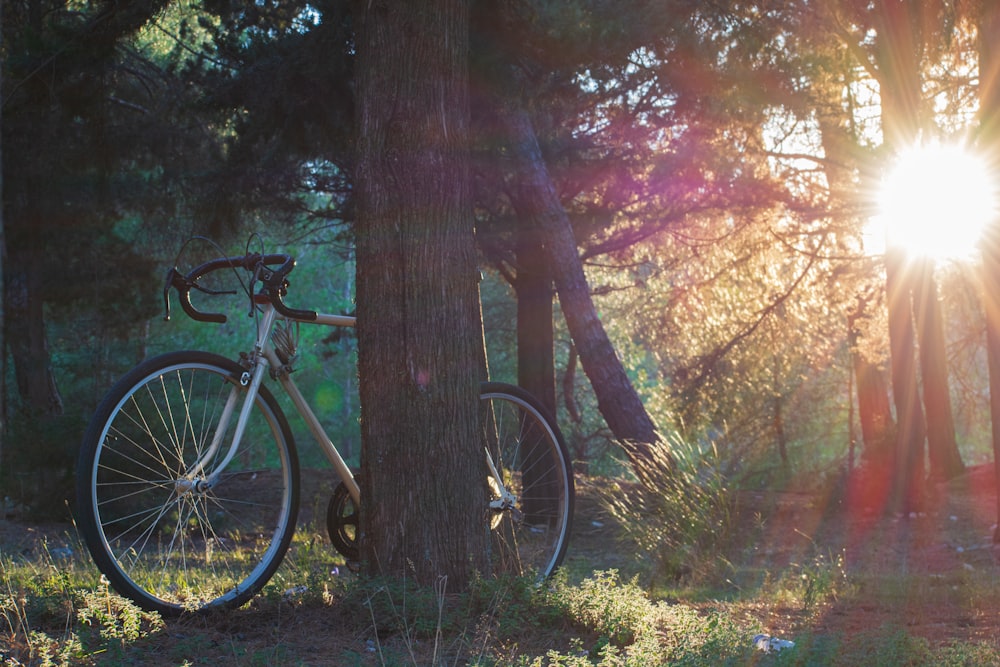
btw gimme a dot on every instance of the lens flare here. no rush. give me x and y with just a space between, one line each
936 201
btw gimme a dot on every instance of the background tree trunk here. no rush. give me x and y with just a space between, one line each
25 334
898 48
535 199
419 343
989 139
874 410
944 459
535 344
910 431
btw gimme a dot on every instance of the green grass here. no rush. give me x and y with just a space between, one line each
57 610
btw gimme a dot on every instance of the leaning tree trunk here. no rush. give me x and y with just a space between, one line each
420 350
535 199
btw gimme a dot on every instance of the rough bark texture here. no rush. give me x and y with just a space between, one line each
910 431
897 53
989 129
944 459
419 339
535 200
25 331
533 285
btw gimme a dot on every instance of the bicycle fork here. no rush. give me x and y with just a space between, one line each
196 480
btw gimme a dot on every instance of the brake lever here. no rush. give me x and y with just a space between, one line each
172 276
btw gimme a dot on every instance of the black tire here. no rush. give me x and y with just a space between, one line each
159 538
530 537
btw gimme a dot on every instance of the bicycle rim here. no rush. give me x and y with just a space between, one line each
161 538
529 538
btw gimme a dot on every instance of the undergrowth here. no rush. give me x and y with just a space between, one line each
56 609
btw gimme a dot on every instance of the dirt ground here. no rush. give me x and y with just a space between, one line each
934 574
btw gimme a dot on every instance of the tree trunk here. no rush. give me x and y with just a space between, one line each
909 444
25 329
535 345
874 411
420 350
945 461
898 49
3 263
989 133
535 200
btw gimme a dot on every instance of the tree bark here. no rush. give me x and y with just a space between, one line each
3 263
944 459
908 474
24 316
989 140
874 411
420 350
898 49
535 343
535 199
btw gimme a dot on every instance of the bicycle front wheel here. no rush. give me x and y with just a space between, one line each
531 505
157 526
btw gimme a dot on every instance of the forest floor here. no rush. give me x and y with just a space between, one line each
798 565
932 574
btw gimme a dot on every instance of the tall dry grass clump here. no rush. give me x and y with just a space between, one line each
676 507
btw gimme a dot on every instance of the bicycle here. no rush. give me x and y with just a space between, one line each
188 474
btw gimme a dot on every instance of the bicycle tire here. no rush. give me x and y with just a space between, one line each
160 540
527 447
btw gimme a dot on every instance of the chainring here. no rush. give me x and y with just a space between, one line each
342 523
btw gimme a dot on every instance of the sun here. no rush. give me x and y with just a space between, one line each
936 201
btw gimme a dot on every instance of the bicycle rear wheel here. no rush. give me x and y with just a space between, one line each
530 531
162 536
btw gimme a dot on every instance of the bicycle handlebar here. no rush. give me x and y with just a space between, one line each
273 280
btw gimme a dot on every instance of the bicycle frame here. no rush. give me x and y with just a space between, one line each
264 358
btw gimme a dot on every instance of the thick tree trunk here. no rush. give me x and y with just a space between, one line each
3 263
991 306
945 461
25 332
898 49
535 345
420 349
989 131
535 199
